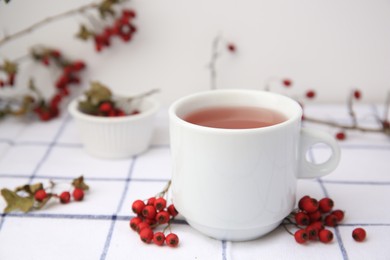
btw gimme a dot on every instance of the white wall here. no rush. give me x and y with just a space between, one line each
327 45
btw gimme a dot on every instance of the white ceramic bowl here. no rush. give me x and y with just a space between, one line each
116 137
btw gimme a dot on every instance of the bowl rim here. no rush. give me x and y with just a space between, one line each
75 112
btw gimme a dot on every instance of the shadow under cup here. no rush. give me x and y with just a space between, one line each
238 184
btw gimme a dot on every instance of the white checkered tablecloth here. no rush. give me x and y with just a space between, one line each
98 227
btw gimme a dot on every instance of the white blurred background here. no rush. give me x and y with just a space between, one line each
329 46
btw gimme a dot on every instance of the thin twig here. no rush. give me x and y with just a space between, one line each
213 61
47 20
351 111
343 126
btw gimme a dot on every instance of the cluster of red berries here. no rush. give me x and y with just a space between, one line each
9 81
110 109
150 215
122 28
10 69
313 216
69 76
65 196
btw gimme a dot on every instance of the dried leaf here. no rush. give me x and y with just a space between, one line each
16 202
30 189
87 107
84 33
79 183
10 67
105 8
98 93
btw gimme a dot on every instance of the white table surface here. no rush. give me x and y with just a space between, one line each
98 227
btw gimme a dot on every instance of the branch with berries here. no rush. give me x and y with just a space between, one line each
220 45
106 20
152 213
31 197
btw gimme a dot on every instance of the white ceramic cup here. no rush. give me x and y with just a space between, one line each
239 184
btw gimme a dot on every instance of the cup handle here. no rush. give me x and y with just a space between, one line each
311 170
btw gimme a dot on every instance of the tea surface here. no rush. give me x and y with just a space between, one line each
240 117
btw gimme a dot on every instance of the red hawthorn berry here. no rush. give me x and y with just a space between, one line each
78 65
11 79
301 236
56 99
55 53
325 205
138 206
330 220
65 197
317 225
146 235
151 201
310 94
302 200
141 226
325 235
340 136
339 214
312 232
151 222
134 223
162 217
310 205
159 238
172 210
105 107
301 218
135 112
120 112
160 203
40 195
78 194
287 82
315 216
44 115
357 94
128 13
231 47
149 212
359 234
172 240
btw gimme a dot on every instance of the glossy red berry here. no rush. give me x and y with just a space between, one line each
310 94
162 217
138 206
359 234
172 210
231 47
315 216
78 194
339 214
312 232
40 195
65 197
105 107
302 200
302 218
330 220
134 223
151 201
340 136
317 225
172 240
149 212
357 94
141 226
159 238
160 203
310 205
287 82
301 236
325 205
146 235
325 236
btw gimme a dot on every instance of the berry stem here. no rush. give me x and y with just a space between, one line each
165 190
288 231
351 110
212 65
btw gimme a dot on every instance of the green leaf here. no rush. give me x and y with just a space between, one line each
16 202
79 183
